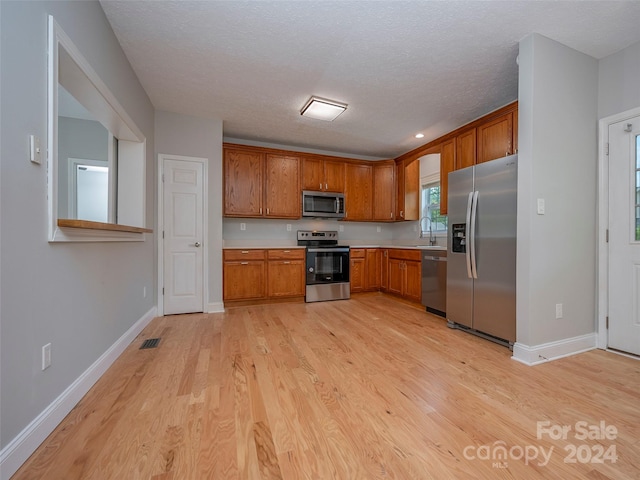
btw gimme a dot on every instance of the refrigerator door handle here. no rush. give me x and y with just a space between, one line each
472 235
467 227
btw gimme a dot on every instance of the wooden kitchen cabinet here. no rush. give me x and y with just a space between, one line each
244 275
466 149
357 269
412 190
399 210
366 269
495 138
243 183
286 273
405 274
258 184
373 269
384 192
384 269
407 190
358 192
323 175
447 164
257 274
282 187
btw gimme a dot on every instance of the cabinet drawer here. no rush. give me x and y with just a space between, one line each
356 253
402 254
286 254
232 255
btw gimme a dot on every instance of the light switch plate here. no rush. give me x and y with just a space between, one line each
34 150
541 206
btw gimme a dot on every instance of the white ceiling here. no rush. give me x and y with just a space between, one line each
403 67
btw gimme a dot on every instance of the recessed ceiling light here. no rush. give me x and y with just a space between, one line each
323 109
419 135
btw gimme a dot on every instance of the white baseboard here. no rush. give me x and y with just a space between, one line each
26 442
534 355
217 307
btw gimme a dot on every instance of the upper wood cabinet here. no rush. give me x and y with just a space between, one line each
323 175
447 164
466 149
243 183
261 185
358 192
495 138
282 192
412 190
399 210
384 191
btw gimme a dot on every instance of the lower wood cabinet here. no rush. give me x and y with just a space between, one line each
286 273
357 269
244 275
257 274
404 274
366 269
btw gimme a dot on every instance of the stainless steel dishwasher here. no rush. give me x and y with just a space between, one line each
434 281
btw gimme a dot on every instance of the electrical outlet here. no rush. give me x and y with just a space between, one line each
341 228
378 229
540 206
288 227
144 292
558 310
46 356
243 226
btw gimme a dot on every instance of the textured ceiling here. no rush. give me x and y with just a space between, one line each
402 66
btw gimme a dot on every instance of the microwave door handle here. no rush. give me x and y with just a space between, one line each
337 205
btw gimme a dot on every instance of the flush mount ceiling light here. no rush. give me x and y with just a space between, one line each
419 135
322 109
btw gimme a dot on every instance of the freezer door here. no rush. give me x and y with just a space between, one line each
494 307
459 283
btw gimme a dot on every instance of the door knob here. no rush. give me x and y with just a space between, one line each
197 244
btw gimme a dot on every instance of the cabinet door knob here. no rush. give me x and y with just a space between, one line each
197 244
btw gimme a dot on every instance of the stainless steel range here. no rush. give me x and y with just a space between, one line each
327 266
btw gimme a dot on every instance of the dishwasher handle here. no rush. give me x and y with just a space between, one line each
437 259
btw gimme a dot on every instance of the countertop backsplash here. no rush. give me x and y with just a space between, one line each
273 233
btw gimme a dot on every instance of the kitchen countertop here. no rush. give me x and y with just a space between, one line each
281 245
410 247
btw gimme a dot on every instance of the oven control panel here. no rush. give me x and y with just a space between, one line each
317 235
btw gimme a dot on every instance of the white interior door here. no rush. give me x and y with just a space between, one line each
624 236
183 236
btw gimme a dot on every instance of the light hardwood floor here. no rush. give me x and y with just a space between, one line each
361 389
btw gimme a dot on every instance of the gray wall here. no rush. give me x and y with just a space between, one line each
199 137
80 297
86 139
557 162
619 88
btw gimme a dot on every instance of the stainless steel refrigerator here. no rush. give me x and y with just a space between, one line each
481 256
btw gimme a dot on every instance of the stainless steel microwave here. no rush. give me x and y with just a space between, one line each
322 204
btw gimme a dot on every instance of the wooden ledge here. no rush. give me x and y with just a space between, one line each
88 225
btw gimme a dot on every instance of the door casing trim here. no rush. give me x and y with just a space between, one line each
602 224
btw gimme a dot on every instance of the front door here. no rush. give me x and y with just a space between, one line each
183 207
624 236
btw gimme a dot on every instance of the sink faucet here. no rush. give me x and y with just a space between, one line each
432 238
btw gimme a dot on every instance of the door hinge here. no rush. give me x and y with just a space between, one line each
163 173
162 233
607 235
607 323
606 148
